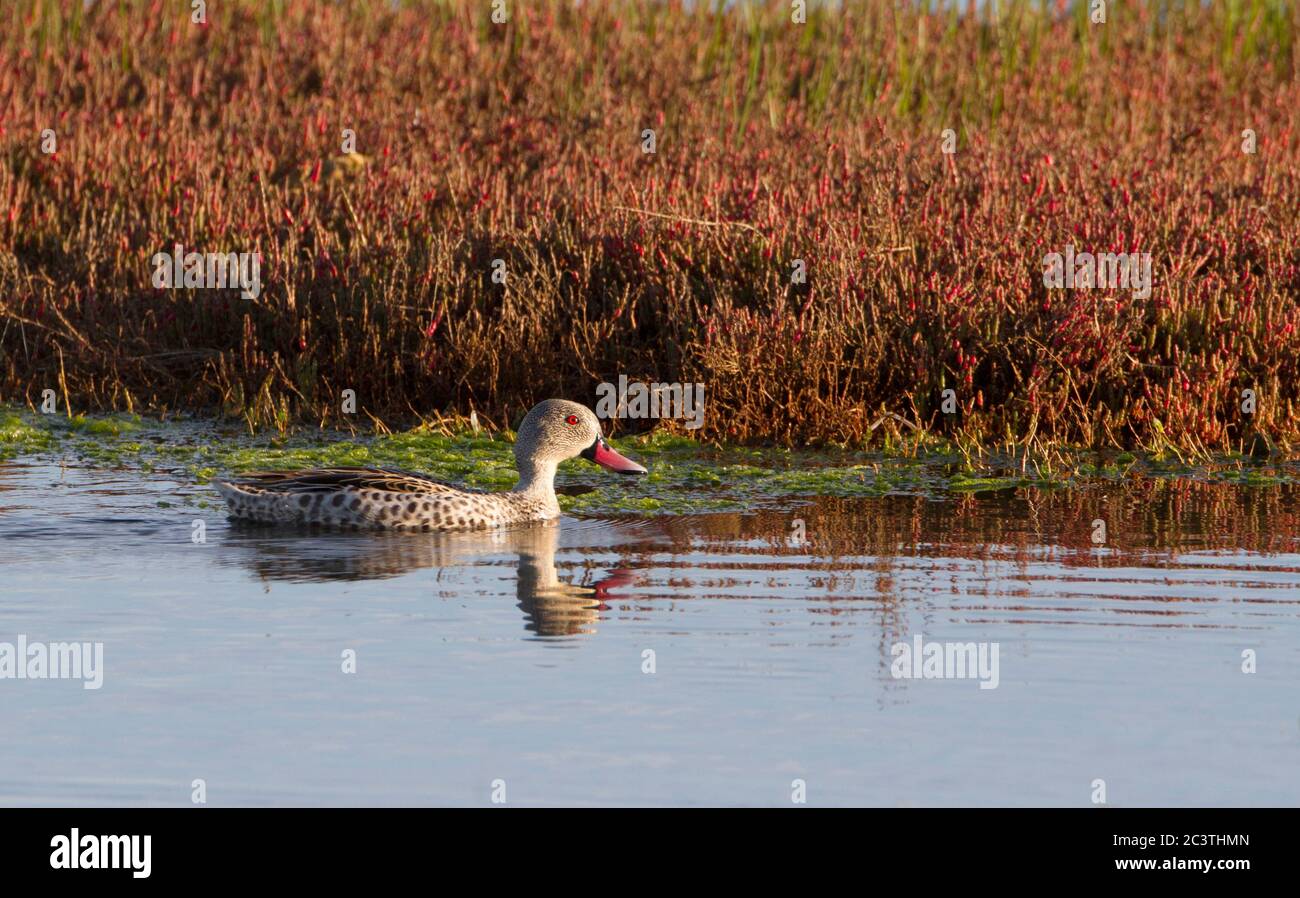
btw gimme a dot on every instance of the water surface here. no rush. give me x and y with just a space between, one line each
521 656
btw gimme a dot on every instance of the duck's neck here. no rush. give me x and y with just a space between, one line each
536 478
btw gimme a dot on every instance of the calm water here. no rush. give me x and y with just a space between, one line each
521 658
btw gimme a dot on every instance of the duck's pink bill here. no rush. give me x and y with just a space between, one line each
608 458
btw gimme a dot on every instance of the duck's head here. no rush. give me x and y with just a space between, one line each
556 430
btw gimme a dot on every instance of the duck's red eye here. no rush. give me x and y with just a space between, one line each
572 419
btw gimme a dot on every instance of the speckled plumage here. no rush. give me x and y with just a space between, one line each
379 498
360 498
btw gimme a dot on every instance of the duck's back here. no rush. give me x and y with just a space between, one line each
370 498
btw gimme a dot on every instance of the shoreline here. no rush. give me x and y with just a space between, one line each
686 476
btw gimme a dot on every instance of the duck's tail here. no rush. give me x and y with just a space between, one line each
249 503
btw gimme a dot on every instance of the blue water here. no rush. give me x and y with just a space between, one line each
520 659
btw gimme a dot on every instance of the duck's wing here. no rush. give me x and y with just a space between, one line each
326 479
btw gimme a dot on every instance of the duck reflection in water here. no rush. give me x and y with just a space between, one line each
551 606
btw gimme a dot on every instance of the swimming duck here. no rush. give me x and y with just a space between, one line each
555 430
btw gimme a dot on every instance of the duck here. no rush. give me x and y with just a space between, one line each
381 498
